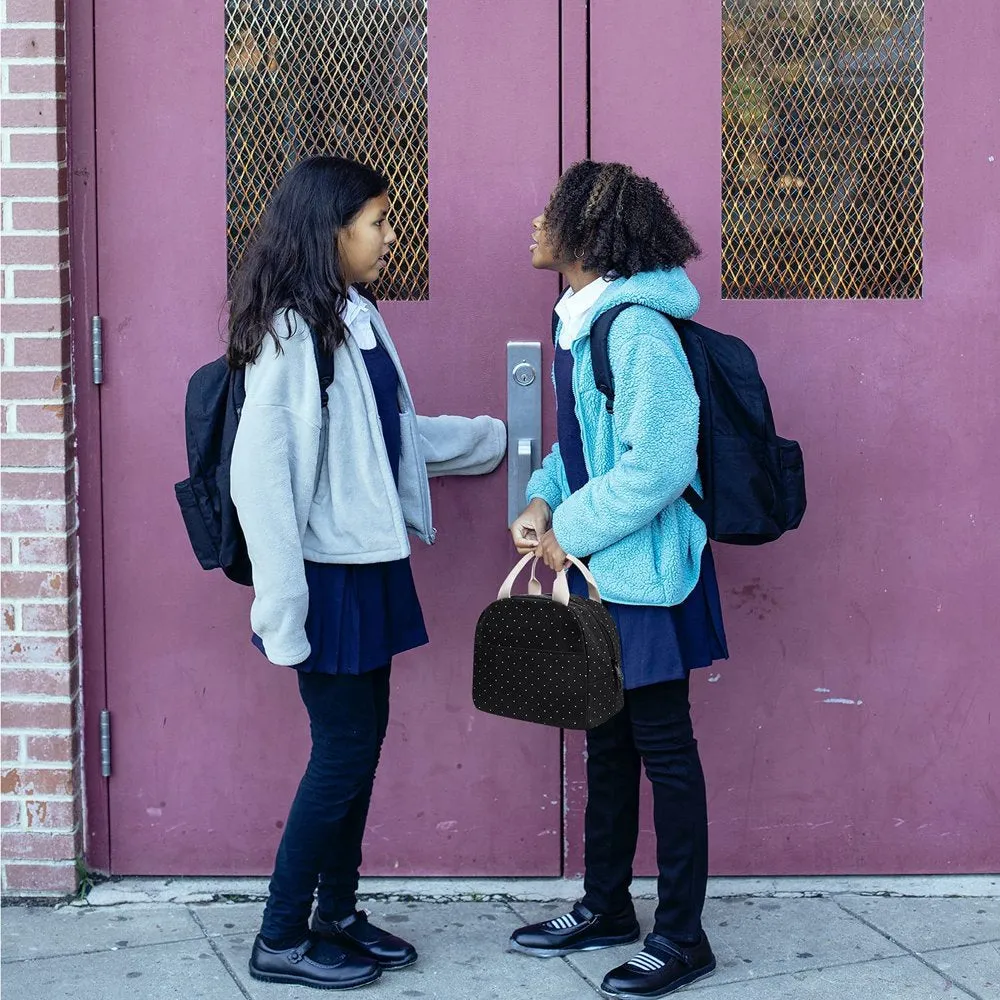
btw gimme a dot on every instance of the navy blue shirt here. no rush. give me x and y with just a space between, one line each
360 616
658 644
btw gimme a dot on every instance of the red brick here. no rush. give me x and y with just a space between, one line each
49 418
37 715
6 557
32 43
37 147
30 584
50 283
35 317
8 615
60 617
37 485
37 781
36 11
41 517
59 879
40 846
25 112
10 748
33 249
33 182
46 386
50 216
41 352
51 749
10 814
53 550
47 814
33 453
36 78
33 649
28 681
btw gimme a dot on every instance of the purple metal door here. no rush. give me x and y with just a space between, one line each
854 728
209 739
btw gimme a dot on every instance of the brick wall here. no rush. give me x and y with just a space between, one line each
41 772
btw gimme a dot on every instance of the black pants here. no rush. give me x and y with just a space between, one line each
321 845
655 728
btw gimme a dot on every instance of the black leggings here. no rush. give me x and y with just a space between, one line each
321 845
653 729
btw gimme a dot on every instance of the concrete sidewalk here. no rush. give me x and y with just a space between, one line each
836 947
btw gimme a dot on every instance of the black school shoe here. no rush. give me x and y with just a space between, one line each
660 968
359 936
338 969
578 930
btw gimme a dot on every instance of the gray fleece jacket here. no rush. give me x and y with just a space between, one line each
314 484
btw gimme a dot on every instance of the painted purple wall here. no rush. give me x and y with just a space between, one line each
856 727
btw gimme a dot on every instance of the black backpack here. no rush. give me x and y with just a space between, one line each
753 480
215 397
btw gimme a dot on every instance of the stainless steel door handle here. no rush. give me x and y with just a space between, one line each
524 420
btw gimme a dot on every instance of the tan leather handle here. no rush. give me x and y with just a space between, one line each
508 584
560 589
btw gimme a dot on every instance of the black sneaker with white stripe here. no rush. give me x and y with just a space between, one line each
659 969
578 930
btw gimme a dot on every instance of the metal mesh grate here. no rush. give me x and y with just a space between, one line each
822 130
336 77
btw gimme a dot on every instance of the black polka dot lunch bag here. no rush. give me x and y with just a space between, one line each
551 660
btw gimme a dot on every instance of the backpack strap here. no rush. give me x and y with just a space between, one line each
600 355
325 368
604 379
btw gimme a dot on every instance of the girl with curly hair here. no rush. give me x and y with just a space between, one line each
612 491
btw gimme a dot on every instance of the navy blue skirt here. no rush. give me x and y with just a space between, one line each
360 617
665 644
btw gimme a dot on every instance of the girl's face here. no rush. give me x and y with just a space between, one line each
363 244
542 256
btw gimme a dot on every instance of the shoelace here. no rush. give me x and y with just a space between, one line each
646 962
564 923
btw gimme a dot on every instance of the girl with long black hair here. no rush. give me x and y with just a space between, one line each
328 480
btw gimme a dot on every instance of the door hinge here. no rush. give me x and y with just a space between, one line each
105 743
97 349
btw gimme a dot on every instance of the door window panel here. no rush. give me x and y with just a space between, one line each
335 77
822 126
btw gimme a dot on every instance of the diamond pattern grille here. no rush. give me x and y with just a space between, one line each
822 128
333 77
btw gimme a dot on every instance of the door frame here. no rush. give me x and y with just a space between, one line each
85 303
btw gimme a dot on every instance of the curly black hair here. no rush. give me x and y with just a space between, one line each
614 221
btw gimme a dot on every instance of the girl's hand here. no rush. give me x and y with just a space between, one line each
530 525
551 552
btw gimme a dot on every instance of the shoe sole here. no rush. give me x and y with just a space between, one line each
395 967
598 945
695 977
274 977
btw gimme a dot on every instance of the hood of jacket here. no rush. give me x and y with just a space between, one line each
668 291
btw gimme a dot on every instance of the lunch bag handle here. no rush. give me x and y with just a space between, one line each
560 589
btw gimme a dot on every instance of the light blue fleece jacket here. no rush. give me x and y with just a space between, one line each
644 541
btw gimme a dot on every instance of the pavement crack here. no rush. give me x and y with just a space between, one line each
910 951
213 944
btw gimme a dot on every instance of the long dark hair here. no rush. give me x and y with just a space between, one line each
293 261
613 221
